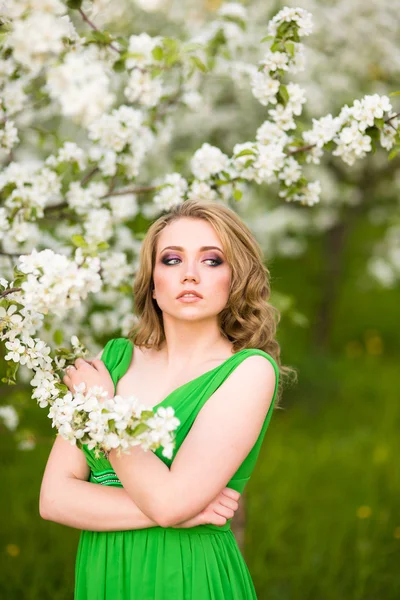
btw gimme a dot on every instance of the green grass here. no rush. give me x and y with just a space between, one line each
323 519
323 503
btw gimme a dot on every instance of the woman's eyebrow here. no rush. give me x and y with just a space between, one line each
181 249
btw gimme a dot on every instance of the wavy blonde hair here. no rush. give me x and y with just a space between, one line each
248 320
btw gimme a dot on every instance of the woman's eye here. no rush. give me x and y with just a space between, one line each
217 261
167 261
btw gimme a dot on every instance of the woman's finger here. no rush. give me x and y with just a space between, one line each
99 365
230 493
228 502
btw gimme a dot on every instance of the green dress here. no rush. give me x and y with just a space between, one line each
165 563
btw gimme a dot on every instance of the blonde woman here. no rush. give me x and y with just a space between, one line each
204 343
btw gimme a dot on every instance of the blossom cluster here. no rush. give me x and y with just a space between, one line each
55 283
122 140
89 417
349 130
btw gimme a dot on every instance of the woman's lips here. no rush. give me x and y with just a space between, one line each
189 299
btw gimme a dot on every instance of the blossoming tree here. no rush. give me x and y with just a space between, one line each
92 124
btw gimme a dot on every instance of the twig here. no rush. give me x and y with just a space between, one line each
301 149
89 176
138 190
394 117
2 253
93 26
10 291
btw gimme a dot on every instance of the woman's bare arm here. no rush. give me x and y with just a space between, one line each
67 497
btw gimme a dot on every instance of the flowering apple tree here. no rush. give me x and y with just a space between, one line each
90 142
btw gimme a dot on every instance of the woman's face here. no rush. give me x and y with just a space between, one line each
186 266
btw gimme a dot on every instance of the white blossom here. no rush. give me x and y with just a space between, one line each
298 15
233 10
9 416
38 37
81 86
172 193
291 171
269 161
207 161
85 200
202 191
264 88
143 88
8 135
115 269
53 282
140 50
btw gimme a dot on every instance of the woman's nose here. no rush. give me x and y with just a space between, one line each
190 272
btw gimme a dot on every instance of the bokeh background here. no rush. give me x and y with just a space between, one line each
322 508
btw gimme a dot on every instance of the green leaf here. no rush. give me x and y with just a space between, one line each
74 4
155 72
276 47
119 66
329 146
141 428
247 152
79 241
192 47
100 37
158 53
379 123
394 94
147 414
237 194
170 43
267 38
283 94
199 63
58 337
394 152
103 246
284 28
373 133
295 36
289 46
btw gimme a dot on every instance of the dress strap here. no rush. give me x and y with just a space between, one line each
229 366
117 356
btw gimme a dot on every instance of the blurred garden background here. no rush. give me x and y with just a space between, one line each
322 508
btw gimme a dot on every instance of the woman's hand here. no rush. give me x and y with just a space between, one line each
92 372
222 508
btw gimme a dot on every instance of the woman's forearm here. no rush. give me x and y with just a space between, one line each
92 507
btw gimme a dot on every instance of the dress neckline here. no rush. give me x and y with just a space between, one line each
195 379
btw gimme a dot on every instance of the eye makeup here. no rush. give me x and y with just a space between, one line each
216 259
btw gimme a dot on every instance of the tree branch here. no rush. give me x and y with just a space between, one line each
93 26
10 291
138 190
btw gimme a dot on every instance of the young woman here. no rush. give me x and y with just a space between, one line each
157 528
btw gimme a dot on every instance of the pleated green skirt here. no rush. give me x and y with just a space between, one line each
159 563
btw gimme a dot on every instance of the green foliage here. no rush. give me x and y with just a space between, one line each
322 503
74 4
